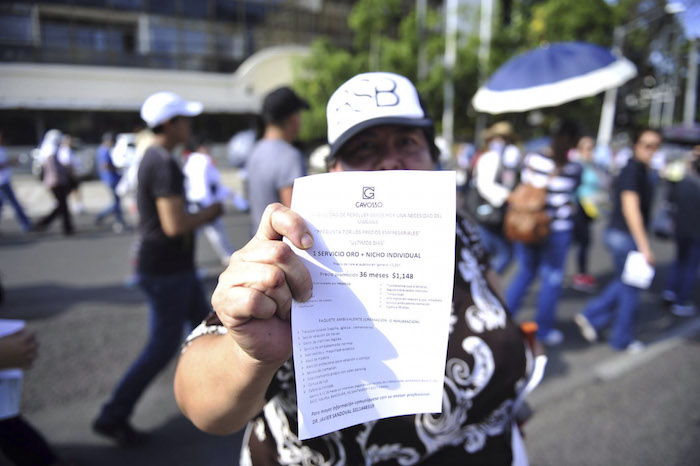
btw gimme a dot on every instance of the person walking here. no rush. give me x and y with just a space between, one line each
110 176
589 199
495 175
203 187
685 199
67 157
165 260
274 162
238 367
7 194
618 303
59 178
547 259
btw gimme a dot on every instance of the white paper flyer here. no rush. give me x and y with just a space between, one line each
372 341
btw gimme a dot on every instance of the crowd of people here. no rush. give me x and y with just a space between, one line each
580 192
248 330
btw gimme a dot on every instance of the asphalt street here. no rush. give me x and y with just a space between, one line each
594 406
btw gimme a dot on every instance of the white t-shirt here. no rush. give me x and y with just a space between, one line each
203 181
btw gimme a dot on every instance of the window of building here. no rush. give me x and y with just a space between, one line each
198 9
162 6
56 34
164 39
127 4
15 29
196 42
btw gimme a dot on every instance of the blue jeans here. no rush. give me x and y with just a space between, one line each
546 260
684 271
7 194
174 300
498 247
618 302
114 209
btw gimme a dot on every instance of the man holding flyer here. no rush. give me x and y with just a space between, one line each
237 368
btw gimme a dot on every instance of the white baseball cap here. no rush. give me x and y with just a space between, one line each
163 106
371 99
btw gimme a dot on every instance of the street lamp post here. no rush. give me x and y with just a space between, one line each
691 83
451 10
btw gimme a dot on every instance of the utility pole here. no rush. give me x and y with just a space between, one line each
485 29
421 11
448 117
671 88
607 113
691 84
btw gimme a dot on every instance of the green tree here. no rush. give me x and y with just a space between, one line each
572 20
385 38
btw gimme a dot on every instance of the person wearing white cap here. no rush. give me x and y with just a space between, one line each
165 261
237 366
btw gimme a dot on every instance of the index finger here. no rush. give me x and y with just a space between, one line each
278 221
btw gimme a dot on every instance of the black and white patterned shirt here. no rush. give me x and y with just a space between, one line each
486 367
561 188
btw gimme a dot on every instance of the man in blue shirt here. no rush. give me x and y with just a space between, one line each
110 176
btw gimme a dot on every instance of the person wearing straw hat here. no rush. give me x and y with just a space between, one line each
495 175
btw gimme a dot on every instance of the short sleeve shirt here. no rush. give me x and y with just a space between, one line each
486 363
104 160
273 165
159 175
633 177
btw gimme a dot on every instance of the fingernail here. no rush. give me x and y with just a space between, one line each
307 241
307 296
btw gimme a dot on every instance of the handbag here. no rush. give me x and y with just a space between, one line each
481 210
526 219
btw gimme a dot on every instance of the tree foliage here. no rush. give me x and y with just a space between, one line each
385 38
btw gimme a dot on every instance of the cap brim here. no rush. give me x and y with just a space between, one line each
402 121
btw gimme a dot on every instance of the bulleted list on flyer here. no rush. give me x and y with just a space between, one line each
371 342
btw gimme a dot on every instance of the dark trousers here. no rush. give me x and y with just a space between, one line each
61 194
582 237
174 301
7 194
23 445
114 209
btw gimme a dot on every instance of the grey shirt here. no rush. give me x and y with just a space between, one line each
273 164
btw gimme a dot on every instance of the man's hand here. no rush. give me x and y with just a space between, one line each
18 350
254 295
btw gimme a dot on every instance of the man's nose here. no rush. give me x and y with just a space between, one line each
392 159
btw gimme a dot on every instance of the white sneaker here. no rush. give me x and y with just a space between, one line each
683 310
553 338
635 347
588 331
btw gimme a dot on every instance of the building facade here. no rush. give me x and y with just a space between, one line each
85 66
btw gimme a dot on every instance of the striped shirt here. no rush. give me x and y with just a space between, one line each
561 188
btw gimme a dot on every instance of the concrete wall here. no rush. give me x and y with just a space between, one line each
70 87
